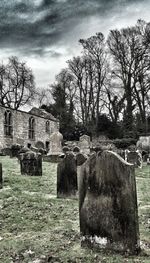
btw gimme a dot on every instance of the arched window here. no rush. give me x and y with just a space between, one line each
47 127
31 128
8 129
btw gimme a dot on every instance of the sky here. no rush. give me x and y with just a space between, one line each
45 33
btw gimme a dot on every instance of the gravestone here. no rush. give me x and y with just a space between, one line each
22 150
108 203
76 149
65 149
15 149
67 176
31 163
55 147
134 157
1 176
39 145
6 151
84 144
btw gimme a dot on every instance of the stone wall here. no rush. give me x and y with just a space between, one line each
20 124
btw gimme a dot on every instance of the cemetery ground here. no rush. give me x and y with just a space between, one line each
36 226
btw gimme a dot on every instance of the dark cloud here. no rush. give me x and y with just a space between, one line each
35 25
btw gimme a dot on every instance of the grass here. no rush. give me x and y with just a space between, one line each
37 227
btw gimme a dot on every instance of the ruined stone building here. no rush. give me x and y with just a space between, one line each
26 128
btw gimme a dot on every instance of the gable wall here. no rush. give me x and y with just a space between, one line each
20 128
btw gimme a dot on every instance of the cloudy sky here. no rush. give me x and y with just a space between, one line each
45 33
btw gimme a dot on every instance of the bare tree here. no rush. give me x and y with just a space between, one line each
114 101
94 48
17 86
43 96
131 57
82 69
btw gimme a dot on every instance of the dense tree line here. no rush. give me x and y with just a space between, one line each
107 88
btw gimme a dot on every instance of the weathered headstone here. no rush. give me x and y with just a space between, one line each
22 150
84 144
65 149
6 151
76 149
31 163
15 149
67 176
108 203
55 147
134 157
1 176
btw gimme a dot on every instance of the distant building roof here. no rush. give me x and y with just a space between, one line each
42 113
37 112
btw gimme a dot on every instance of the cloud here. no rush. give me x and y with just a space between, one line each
40 23
48 30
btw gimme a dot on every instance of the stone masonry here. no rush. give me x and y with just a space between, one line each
20 127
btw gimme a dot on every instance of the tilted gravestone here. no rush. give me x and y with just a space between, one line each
31 163
108 203
1 176
134 157
67 176
84 144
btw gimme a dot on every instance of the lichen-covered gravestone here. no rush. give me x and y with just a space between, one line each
108 203
1 176
67 176
84 144
31 163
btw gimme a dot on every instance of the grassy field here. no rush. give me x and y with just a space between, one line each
37 227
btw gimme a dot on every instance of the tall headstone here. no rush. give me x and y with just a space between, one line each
84 144
67 176
108 203
55 146
1 176
31 163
